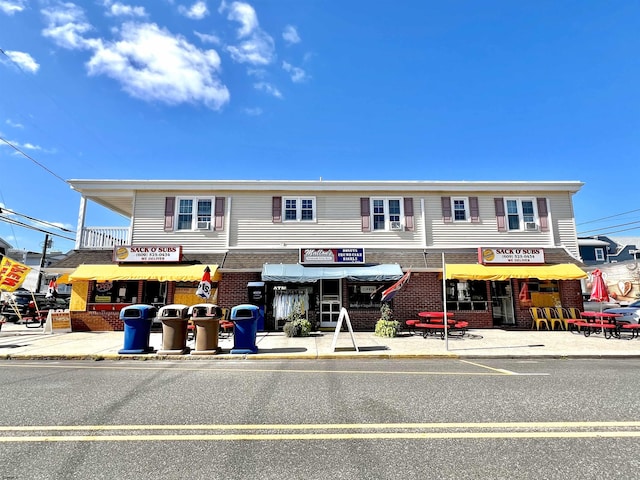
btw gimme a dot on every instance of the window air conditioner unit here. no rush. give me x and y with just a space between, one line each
204 225
396 226
531 226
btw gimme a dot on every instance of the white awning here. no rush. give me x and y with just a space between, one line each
294 272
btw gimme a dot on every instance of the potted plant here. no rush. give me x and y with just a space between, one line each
297 325
387 326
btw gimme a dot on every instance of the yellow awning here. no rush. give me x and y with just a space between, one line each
563 271
161 273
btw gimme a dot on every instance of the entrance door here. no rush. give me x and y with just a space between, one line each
330 302
502 303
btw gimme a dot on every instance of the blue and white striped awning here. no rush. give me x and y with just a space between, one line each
294 272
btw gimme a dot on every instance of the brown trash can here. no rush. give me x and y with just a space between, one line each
174 329
206 320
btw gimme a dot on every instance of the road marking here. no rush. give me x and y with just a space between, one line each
499 370
322 436
330 426
494 371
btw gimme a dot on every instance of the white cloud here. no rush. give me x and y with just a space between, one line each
66 25
256 47
12 6
154 65
253 112
290 35
197 11
13 124
23 60
298 75
208 38
268 88
118 9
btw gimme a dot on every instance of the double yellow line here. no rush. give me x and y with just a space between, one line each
308 432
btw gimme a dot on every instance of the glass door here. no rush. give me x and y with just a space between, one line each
502 303
330 302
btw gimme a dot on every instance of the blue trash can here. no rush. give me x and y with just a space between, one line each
137 328
245 320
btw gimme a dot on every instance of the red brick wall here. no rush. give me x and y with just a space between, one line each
232 289
102 321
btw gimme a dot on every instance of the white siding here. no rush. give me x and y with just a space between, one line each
337 224
148 227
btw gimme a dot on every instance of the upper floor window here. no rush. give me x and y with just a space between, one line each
460 209
194 213
386 214
599 254
521 214
299 209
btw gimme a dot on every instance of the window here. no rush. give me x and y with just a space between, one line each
599 254
521 214
387 214
460 210
299 209
469 295
194 213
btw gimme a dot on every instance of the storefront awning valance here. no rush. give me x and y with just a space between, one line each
293 272
563 271
161 273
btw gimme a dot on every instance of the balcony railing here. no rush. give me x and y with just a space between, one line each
104 237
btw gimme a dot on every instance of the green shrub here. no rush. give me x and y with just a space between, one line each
300 327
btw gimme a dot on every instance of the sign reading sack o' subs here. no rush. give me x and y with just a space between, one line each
510 255
147 253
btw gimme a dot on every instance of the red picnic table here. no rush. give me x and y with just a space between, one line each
592 322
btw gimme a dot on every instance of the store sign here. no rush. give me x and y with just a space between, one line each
147 253
331 255
510 255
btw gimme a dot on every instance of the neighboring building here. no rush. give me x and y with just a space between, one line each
595 250
327 245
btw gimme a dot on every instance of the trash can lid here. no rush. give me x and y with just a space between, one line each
174 310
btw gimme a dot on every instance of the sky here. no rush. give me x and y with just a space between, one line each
309 89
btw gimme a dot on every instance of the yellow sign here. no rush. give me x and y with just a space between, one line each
58 321
12 274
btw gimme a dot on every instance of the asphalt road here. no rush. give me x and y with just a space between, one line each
378 419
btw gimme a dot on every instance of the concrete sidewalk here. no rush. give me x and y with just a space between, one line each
20 342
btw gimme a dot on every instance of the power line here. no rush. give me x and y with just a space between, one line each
31 227
612 226
2 210
33 160
610 216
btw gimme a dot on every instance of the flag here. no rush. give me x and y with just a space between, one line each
12 274
52 291
204 287
390 292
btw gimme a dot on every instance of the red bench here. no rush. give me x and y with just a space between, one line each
431 328
634 328
411 324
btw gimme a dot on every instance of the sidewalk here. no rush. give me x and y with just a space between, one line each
21 343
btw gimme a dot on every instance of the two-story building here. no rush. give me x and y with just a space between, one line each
324 245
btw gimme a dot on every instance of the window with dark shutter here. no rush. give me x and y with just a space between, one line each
500 216
365 215
169 211
409 223
219 213
276 209
474 209
543 214
446 209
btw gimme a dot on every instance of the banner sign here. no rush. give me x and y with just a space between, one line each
58 321
332 255
148 253
12 274
488 256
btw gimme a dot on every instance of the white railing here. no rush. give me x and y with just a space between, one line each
104 237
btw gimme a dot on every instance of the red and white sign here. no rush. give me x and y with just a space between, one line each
510 255
147 253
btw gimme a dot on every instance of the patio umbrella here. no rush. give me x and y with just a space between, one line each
599 291
390 292
204 287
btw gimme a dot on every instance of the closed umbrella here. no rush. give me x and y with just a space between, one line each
599 291
204 287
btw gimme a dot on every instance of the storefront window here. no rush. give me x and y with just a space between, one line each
365 295
466 295
115 292
544 293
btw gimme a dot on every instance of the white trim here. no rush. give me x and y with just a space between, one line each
194 213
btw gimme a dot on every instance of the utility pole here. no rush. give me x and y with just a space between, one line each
42 260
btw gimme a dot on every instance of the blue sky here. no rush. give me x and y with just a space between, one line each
303 89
